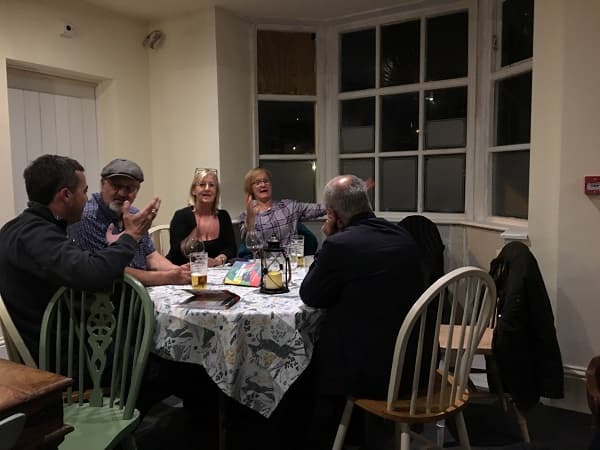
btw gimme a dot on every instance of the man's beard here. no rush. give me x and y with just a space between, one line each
116 207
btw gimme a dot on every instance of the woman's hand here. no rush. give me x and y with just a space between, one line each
217 260
251 210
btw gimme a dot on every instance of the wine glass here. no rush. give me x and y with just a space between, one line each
254 242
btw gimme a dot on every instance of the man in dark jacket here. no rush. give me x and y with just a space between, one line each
36 257
368 277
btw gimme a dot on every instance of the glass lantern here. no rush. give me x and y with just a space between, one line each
275 268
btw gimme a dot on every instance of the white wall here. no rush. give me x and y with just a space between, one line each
235 106
563 222
105 48
184 107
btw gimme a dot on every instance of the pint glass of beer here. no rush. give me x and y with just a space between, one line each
298 243
199 269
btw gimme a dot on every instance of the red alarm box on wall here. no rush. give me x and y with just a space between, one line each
592 185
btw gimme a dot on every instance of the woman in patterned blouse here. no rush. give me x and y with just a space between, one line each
278 217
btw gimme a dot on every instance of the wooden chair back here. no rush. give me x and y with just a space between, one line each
469 289
160 238
436 386
15 346
101 340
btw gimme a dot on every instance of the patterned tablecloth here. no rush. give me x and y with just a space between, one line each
254 351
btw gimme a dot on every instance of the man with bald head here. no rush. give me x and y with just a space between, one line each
367 276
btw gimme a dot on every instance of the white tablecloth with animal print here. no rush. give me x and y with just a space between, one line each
254 351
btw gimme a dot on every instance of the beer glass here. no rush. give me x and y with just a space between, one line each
199 269
298 245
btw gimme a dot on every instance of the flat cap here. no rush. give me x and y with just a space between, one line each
122 168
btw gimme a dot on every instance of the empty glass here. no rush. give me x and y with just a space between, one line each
254 242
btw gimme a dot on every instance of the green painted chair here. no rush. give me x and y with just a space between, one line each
102 341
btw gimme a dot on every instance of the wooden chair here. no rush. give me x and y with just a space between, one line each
446 392
491 368
15 347
102 341
160 238
11 428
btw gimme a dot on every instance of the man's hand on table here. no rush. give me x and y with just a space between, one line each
180 275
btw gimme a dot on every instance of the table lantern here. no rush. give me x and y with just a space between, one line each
275 268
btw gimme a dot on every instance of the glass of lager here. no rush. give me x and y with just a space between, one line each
298 245
199 269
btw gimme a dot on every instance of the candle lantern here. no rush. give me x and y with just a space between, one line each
275 268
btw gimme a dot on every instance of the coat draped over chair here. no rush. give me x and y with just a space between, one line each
525 343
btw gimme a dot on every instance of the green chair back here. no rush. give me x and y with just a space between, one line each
102 341
15 346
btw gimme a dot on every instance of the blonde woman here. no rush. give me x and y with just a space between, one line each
202 220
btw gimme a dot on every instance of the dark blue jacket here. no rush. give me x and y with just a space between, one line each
368 277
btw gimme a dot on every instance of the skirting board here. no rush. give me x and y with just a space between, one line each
575 392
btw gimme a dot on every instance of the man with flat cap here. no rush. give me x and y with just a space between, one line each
102 223
36 257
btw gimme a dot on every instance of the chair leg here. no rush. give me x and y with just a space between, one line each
494 373
402 435
463 436
343 426
440 432
522 421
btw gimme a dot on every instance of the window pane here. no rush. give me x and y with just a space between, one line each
357 60
286 62
400 122
286 128
357 131
445 183
398 184
363 168
513 110
510 174
292 179
447 47
446 118
400 53
517 31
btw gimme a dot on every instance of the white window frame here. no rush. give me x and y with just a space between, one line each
490 72
483 23
333 132
318 99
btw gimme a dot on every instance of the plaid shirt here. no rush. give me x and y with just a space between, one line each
282 219
90 232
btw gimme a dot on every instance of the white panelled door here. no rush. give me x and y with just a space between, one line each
50 115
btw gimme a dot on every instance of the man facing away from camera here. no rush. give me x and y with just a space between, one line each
367 276
102 223
36 257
